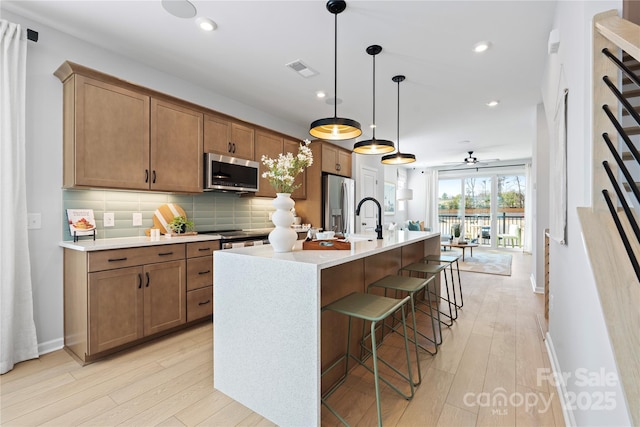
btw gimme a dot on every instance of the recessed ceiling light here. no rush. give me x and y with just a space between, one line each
179 8
481 47
206 24
493 103
320 94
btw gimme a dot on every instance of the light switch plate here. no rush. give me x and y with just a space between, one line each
137 219
108 219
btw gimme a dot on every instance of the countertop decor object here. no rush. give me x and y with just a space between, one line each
165 214
282 171
283 237
281 174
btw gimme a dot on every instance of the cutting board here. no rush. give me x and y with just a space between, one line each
333 244
165 214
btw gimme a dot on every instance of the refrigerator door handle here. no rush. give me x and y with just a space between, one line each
345 207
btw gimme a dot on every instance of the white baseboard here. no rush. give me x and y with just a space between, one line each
49 346
561 388
534 286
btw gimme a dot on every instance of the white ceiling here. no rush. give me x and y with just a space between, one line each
442 101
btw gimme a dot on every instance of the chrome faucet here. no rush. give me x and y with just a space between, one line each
379 224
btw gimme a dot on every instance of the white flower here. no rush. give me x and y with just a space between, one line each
282 171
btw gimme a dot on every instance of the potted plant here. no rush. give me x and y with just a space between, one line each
455 230
180 224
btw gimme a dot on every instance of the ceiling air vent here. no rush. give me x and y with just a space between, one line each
301 68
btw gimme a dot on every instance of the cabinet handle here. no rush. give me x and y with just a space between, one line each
204 249
146 175
234 148
139 281
154 177
165 253
205 302
117 259
229 147
337 167
147 284
204 272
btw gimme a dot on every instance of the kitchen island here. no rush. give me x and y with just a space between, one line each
271 340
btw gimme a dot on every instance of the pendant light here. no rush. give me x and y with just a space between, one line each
398 158
335 128
373 145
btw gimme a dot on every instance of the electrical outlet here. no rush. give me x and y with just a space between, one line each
34 221
108 219
137 219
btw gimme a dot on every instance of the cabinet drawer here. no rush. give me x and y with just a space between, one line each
118 258
199 303
198 249
199 272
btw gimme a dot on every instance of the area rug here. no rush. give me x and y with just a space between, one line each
488 262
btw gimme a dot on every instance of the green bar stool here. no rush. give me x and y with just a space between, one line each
373 308
424 270
449 260
410 285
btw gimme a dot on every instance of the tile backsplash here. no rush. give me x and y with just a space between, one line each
209 210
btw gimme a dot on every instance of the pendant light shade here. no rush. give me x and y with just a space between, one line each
373 145
398 158
335 128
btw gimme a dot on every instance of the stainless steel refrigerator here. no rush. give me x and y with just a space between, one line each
338 204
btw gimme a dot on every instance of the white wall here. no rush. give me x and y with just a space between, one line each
577 330
44 150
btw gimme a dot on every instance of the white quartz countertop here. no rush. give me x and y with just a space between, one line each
363 245
87 245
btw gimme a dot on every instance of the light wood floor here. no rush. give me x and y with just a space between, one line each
494 349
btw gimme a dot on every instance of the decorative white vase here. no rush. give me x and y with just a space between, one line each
283 237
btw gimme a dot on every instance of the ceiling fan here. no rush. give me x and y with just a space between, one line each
470 160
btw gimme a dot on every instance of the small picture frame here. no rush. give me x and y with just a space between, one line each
389 198
81 223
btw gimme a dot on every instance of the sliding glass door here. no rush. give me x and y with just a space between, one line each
483 207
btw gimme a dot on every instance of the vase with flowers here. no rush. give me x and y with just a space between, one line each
281 173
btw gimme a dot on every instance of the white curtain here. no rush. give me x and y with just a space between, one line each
18 339
528 208
431 197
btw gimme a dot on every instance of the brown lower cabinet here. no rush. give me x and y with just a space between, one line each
117 297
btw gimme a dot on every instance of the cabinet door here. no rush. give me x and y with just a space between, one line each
329 158
291 146
164 296
176 148
344 160
115 308
111 136
242 141
217 135
270 145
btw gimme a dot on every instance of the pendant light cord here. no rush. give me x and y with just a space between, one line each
374 96
335 67
398 121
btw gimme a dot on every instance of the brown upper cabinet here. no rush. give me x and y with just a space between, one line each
226 137
117 135
336 160
271 145
176 148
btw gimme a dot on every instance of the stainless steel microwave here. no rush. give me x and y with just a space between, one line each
224 173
